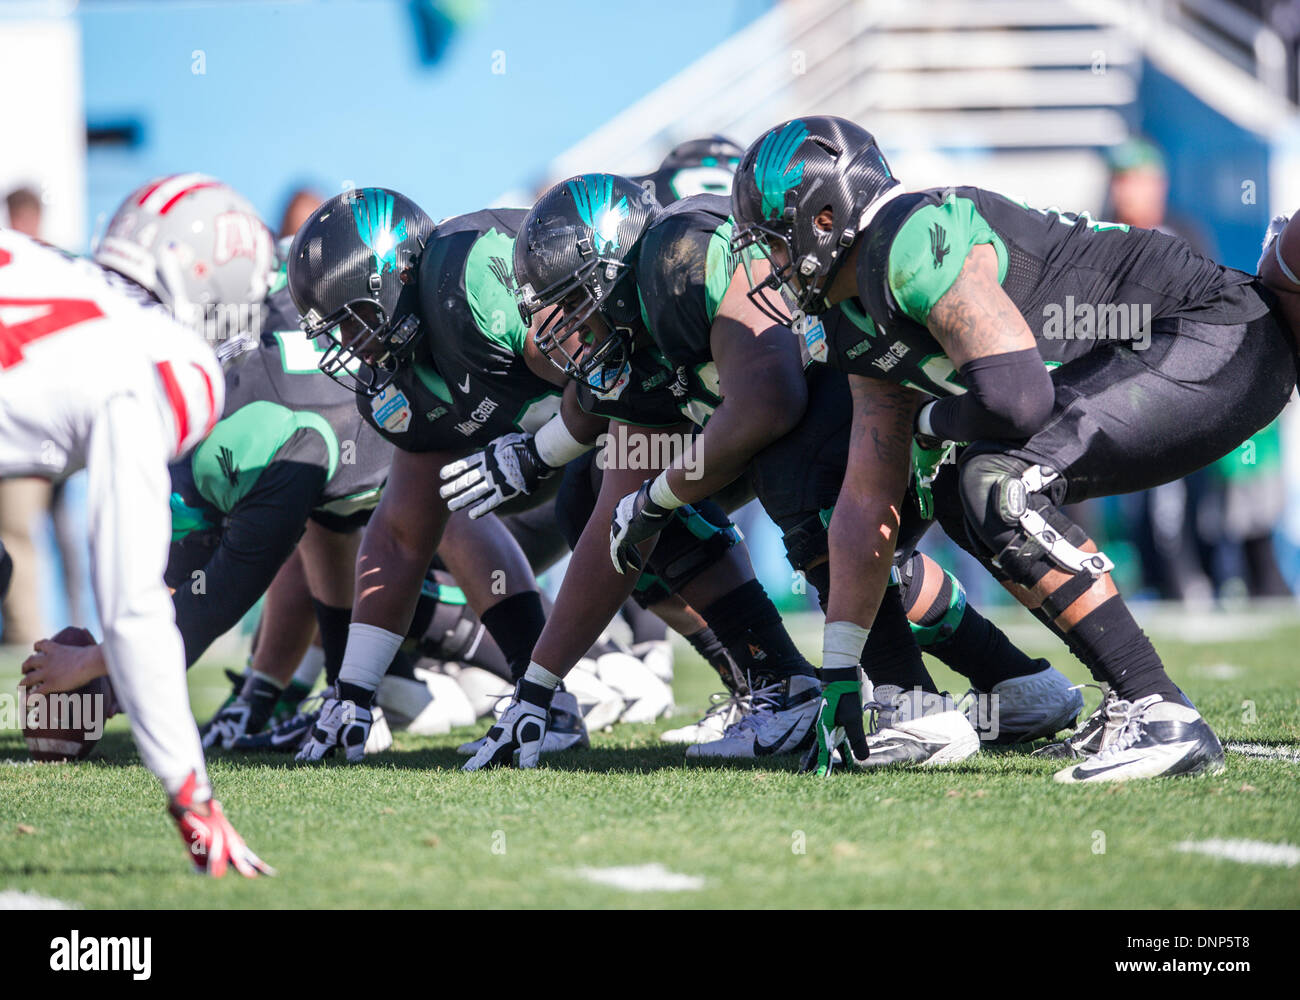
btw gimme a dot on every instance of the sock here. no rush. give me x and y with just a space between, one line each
891 655
1112 646
516 624
309 668
333 624
968 642
261 693
706 643
747 623
538 685
355 693
294 692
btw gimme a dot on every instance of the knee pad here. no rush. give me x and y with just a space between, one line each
697 537
1011 510
941 621
444 627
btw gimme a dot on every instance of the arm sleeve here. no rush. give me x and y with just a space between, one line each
1009 397
259 535
129 521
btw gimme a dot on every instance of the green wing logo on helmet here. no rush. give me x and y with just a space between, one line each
593 194
774 173
372 211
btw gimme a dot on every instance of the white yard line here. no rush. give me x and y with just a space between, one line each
15 899
1264 751
642 878
1250 852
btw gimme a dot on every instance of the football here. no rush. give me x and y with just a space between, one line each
67 726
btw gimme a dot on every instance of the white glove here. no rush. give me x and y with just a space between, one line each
507 467
342 724
515 739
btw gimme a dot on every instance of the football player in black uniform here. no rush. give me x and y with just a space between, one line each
696 166
1077 359
422 323
648 299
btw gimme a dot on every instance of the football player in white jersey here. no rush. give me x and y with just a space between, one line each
96 373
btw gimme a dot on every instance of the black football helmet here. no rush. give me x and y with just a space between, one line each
576 249
785 180
352 271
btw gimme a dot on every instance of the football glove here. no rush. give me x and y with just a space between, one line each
212 842
507 467
838 727
928 454
635 519
515 739
342 724
227 725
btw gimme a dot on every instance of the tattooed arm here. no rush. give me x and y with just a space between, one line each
864 527
1010 394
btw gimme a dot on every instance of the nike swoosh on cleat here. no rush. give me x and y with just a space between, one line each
1092 771
767 751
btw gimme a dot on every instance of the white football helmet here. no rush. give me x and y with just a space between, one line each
199 247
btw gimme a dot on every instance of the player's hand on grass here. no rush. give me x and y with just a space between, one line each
213 844
839 727
342 725
506 468
515 739
227 725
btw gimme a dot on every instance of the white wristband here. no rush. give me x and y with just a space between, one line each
923 419
555 445
662 494
369 651
842 645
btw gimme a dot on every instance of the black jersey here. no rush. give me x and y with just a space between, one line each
683 268
1077 282
288 447
468 382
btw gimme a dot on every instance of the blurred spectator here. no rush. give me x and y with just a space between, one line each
24 207
301 204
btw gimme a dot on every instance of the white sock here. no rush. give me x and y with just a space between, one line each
538 674
313 662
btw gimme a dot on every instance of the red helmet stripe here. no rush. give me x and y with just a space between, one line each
151 189
183 192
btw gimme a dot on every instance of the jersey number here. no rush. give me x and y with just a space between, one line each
52 315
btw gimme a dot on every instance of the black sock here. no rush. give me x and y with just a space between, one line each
516 624
261 696
706 643
1109 643
891 655
979 650
333 624
748 624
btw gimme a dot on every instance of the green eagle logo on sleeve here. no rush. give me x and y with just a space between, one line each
774 171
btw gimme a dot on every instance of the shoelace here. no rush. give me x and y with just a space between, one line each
761 703
1126 718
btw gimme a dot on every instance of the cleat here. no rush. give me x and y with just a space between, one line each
599 704
1150 738
657 655
1091 736
564 729
914 727
428 704
287 736
779 720
380 737
727 709
645 696
1022 709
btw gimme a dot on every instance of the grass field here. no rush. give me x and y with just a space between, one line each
408 829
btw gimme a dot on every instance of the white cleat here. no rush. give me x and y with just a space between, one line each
725 713
599 704
645 696
483 688
1023 709
431 704
1152 738
380 737
779 720
657 655
915 727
